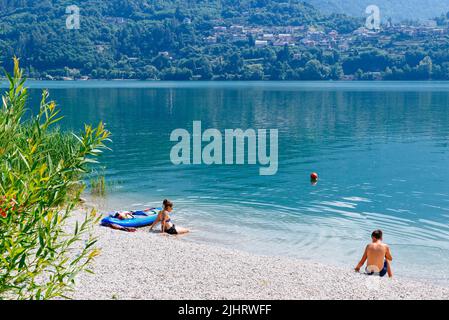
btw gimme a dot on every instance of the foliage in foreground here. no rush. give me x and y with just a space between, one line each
41 250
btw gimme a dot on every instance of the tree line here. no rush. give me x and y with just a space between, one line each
165 40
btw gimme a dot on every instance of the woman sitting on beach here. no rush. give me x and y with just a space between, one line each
164 218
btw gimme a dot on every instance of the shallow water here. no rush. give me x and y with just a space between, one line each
381 150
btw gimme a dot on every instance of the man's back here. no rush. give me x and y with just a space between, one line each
377 252
377 256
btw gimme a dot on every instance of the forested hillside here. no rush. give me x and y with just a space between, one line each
398 10
212 40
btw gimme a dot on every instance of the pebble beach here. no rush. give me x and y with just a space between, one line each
150 265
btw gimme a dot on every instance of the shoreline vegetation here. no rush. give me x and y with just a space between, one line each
41 180
215 81
187 270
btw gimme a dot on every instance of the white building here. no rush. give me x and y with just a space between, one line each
211 39
220 29
236 28
285 36
261 43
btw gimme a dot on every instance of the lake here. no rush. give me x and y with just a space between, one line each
381 150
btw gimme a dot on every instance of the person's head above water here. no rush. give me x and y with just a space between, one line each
376 235
168 205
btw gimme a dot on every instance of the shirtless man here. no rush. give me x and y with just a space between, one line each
378 255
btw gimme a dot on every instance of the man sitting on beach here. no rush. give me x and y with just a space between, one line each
378 255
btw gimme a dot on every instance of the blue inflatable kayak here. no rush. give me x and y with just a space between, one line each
140 219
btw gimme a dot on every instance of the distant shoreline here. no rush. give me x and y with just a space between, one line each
233 80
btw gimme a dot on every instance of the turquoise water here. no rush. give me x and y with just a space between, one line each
381 150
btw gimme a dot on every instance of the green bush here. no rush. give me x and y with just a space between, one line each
42 247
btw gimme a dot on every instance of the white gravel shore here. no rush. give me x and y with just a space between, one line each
143 265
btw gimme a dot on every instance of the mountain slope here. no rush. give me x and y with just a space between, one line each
396 9
116 29
211 40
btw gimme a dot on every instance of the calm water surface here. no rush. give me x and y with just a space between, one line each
381 150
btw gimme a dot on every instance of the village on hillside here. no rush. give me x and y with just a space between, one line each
389 35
